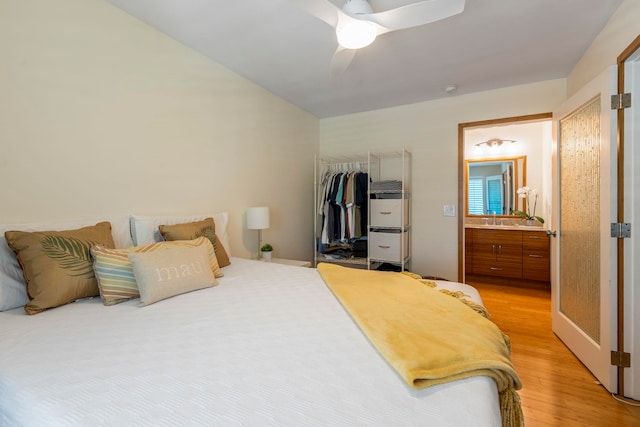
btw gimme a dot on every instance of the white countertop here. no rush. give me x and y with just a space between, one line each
507 227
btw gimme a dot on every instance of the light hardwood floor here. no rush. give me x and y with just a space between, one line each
557 389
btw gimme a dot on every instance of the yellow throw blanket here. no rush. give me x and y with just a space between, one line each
427 336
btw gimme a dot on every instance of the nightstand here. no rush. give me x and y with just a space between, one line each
291 262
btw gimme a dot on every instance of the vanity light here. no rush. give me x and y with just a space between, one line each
495 142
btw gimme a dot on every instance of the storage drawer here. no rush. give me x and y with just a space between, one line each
389 212
492 267
386 246
535 265
535 240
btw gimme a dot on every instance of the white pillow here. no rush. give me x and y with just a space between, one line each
13 288
145 229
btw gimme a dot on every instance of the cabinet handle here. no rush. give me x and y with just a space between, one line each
535 256
535 237
496 268
384 246
385 213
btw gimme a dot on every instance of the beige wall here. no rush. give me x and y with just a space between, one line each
430 131
621 29
101 114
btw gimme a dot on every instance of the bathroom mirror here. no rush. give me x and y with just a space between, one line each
491 185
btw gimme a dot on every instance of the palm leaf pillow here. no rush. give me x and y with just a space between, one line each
57 265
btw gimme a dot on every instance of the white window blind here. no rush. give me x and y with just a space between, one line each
476 196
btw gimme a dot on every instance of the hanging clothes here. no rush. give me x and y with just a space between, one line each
342 205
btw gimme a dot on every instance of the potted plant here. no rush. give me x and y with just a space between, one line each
528 214
266 250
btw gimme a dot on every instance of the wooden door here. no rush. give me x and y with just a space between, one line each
583 253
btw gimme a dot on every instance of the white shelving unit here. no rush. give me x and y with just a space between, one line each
390 209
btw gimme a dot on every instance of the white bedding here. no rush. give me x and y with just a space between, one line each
268 346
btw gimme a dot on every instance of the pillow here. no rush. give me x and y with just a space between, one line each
144 229
191 230
171 272
13 288
114 271
57 264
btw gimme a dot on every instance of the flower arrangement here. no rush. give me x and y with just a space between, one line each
527 194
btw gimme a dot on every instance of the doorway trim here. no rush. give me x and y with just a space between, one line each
461 201
620 268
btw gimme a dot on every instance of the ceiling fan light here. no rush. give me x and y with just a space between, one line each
356 34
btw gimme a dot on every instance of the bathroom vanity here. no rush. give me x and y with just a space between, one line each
515 252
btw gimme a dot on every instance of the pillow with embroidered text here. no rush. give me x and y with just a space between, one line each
174 271
113 269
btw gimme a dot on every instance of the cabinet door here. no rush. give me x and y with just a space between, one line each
497 253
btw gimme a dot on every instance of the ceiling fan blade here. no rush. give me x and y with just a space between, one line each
341 60
321 9
416 14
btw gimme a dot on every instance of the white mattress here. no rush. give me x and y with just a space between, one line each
269 346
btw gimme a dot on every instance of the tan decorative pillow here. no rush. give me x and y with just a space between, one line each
191 230
57 264
114 271
171 272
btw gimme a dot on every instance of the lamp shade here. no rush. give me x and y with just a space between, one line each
258 218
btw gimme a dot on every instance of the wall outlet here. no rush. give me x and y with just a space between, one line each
449 210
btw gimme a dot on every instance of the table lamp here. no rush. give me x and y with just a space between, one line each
258 219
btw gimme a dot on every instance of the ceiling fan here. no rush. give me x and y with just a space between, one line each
357 26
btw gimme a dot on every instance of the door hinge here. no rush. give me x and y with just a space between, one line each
620 101
621 359
621 230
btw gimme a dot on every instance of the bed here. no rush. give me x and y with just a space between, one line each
268 346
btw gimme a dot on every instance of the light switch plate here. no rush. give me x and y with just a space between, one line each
449 210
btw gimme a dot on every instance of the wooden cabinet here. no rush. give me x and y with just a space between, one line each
468 251
497 253
510 254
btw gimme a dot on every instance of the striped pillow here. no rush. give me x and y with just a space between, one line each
114 270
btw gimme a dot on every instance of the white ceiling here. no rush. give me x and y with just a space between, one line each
282 48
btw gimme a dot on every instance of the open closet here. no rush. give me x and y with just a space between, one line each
362 213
